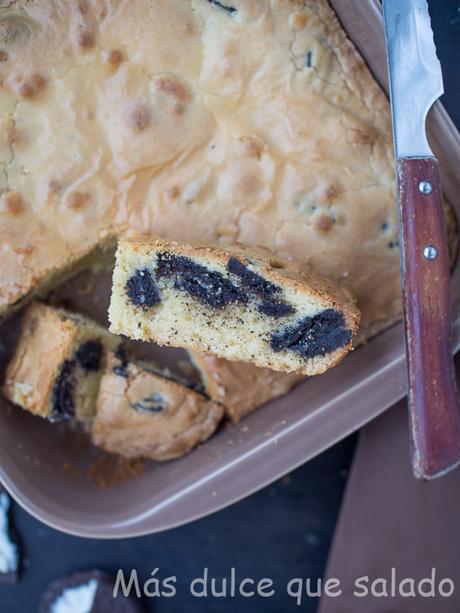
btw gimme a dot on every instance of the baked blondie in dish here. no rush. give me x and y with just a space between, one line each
68 368
248 121
57 365
241 387
140 413
236 304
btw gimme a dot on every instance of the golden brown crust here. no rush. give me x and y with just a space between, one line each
97 257
241 387
185 419
46 341
356 74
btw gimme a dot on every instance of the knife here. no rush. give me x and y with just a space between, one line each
415 84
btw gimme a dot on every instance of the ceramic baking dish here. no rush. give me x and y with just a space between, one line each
42 467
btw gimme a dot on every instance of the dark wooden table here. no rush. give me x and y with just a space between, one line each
282 532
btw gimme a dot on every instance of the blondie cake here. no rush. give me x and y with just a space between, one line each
57 365
140 413
232 303
248 121
241 387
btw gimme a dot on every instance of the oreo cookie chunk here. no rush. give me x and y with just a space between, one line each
9 549
142 413
235 304
87 592
57 365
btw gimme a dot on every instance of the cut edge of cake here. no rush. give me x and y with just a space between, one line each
98 256
57 363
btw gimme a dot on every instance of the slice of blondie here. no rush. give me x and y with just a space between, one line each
140 413
241 387
236 304
58 362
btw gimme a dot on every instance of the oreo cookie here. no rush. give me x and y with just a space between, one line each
9 548
150 404
225 7
313 336
208 286
87 592
63 406
271 303
142 290
89 355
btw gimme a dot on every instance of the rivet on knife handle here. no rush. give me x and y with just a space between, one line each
433 400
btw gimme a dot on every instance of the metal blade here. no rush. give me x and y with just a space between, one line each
415 73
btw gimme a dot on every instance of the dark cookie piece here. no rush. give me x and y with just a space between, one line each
89 591
121 368
206 285
89 355
313 336
276 309
62 397
142 290
152 404
252 281
9 547
225 7
271 305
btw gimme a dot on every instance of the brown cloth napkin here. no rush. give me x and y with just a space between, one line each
390 520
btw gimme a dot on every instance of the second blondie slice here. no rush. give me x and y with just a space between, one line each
241 387
141 413
58 362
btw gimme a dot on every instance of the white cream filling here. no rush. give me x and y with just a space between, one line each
77 599
9 556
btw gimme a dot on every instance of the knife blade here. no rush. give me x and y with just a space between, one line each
415 84
415 74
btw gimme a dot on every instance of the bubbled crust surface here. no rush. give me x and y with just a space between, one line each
187 419
47 339
263 127
241 387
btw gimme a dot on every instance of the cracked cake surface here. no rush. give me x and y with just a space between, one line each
57 364
140 413
237 304
248 121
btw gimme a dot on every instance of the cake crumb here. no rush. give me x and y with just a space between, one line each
110 470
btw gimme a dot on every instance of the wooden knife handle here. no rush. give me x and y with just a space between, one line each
434 408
